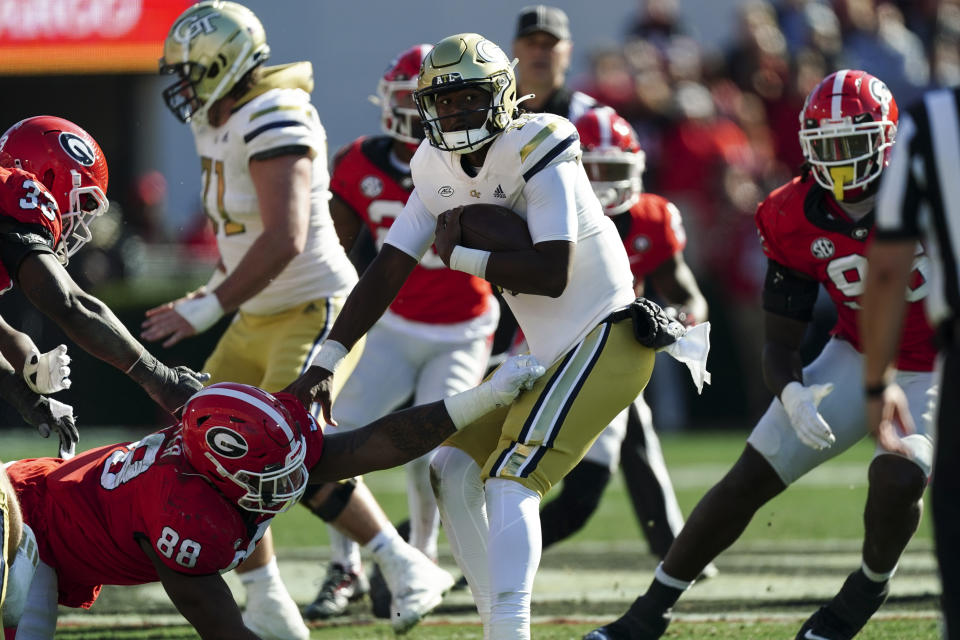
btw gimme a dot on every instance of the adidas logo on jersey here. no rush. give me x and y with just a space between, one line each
499 193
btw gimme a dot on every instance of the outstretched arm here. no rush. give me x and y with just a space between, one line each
205 601
93 326
405 435
389 442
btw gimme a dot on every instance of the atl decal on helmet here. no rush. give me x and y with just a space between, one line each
227 442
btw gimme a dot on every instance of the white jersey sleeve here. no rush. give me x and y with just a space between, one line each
548 140
413 230
282 119
551 203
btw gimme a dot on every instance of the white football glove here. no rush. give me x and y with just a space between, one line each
516 374
49 372
801 405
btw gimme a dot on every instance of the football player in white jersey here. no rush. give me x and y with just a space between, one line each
265 186
571 293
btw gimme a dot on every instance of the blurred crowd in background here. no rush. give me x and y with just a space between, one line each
719 128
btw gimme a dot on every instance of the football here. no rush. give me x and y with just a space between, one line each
491 227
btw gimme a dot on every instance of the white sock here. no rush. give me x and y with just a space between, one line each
877 577
344 551
460 498
675 583
267 573
384 543
515 545
424 517
39 619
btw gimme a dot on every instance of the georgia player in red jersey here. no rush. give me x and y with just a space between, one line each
54 184
186 503
53 181
433 341
653 234
815 230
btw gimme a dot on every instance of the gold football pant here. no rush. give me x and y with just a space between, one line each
271 351
539 438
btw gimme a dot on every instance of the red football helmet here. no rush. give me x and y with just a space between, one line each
69 163
399 117
612 158
847 128
249 444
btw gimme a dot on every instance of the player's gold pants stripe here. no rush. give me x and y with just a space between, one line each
540 430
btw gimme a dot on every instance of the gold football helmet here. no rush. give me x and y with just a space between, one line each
210 47
458 62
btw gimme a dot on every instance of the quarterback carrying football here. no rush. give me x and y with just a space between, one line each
815 230
571 293
433 341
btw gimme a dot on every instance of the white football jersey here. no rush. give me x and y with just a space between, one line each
600 279
281 116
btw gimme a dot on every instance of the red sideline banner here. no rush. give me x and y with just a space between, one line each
84 36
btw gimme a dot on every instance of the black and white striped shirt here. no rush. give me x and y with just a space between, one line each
919 194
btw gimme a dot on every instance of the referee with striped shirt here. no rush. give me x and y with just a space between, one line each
919 200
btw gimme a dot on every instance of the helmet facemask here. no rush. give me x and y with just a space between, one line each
497 118
399 115
846 156
615 176
276 488
181 96
86 204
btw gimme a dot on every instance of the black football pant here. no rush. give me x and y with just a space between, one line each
945 490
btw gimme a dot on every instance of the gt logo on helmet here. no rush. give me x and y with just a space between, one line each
193 27
77 148
227 442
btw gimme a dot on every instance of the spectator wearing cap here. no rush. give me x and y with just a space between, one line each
542 45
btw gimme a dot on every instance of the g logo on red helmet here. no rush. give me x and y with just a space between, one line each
77 148
227 442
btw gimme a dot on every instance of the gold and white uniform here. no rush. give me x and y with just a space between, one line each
595 367
276 332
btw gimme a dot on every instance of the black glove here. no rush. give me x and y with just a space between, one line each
652 326
43 413
169 388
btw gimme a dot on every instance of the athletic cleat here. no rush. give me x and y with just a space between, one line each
824 625
635 624
417 585
626 629
275 616
858 599
340 588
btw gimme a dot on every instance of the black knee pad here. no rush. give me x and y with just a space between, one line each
335 503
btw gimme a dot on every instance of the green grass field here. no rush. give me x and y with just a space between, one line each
792 557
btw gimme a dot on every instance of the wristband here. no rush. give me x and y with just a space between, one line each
472 261
875 390
202 312
330 356
467 406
